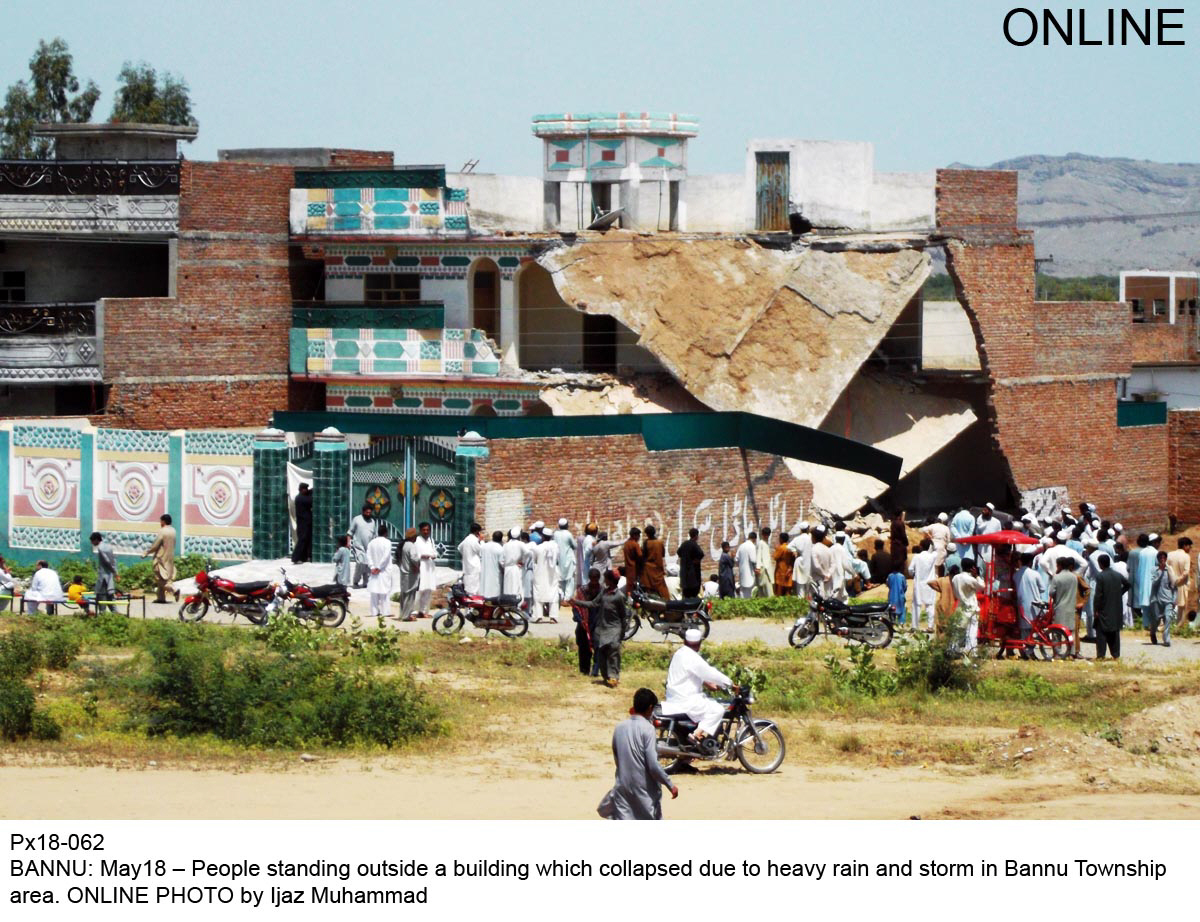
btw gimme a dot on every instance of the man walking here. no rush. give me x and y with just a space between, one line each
637 793
163 551
363 529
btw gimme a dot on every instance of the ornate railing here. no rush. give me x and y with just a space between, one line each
47 319
411 315
89 177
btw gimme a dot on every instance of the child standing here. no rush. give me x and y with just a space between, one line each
341 562
897 590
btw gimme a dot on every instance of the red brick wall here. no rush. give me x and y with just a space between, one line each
346 157
977 198
1153 343
1184 465
615 482
1082 337
193 404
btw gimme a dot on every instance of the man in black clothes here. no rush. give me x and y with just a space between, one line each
302 551
1108 609
690 554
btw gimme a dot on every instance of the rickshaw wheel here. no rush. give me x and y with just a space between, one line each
1056 645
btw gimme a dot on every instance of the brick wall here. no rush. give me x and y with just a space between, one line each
1153 343
1183 454
977 198
1052 366
347 157
615 482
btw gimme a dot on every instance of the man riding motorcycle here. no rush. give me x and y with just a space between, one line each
687 677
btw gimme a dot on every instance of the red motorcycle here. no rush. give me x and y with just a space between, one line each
326 604
502 614
248 599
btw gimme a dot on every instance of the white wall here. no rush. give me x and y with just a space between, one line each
453 294
947 340
1180 384
500 202
903 201
830 180
345 289
714 202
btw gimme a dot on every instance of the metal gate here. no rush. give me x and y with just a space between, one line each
772 188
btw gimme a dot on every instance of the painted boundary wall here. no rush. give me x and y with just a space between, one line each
62 483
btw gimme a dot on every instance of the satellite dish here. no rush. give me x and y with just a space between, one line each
607 220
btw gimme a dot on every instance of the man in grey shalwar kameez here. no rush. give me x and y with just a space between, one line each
362 531
637 794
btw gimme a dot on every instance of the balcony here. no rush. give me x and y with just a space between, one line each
332 340
411 201
50 344
90 196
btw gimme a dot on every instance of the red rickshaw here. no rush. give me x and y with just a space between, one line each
999 617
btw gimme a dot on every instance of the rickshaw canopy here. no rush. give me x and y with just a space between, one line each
998 537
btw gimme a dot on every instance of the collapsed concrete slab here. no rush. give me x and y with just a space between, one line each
779 332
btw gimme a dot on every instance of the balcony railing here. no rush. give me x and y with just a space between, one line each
66 319
89 177
350 315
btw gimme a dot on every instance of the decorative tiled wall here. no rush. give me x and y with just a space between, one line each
46 481
437 262
324 351
132 479
432 398
218 482
420 212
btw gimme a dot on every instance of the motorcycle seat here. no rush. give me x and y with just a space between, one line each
508 601
866 608
670 604
247 588
322 592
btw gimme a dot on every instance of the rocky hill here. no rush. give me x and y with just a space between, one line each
1099 215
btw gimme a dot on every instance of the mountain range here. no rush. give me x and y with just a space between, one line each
1099 215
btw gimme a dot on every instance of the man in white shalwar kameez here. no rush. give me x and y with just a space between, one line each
986 524
426 552
490 567
802 568
545 578
687 677
512 558
379 572
747 562
923 569
567 562
469 550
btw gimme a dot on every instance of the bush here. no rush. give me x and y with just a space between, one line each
932 664
60 647
862 676
781 606
20 654
45 727
16 709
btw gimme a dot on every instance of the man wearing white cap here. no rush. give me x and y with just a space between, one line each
939 534
687 677
986 524
512 558
802 569
922 570
566 560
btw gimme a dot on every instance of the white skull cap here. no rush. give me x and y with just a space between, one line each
562 523
1047 540
951 547
1118 528
1154 536
515 531
538 524
942 517
693 635
547 532
990 506
804 526
1063 535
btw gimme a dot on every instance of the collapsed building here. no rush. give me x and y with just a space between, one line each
458 346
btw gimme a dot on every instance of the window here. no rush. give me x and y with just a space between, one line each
1160 307
392 288
12 287
1139 312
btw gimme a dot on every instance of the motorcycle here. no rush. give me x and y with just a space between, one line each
755 742
870 623
248 599
501 614
672 616
326 604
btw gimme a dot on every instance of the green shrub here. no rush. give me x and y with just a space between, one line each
45 727
781 606
59 647
20 654
862 676
932 664
16 709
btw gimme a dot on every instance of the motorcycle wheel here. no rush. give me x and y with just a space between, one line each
773 748
698 621
333 613
671 764
447 622
256 616
878 633
194 610
1057 646
631 627
519 629
803 633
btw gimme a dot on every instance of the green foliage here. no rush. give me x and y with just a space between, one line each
295 699
1018 685
70 567
144 96
784 606
862 675
16 708
734 666
932 664
20 654
60 647
1049 288
51 94
45 727
1111 734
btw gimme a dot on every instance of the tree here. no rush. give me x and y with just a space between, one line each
51 94
143 97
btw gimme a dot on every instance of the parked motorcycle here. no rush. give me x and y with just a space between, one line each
754 741
248 599
501 614
869 623
671 616
326 604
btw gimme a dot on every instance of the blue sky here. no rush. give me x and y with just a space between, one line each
930 82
